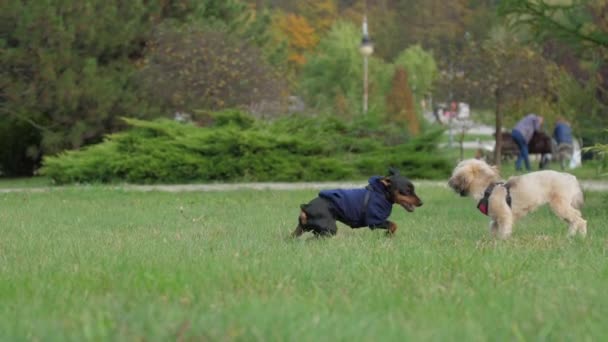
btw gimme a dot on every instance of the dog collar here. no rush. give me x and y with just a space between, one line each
386 192
483 203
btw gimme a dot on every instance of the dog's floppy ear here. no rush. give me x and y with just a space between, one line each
474 170
393 171
386 181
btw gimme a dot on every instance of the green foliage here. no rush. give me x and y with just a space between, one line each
320 13
578 102
501 69
68 66
581 25
421 69
336 70
235 17
66 69
189 68
400 103
418 158
601 151
437 25
579 22
19 154
333 76
234 148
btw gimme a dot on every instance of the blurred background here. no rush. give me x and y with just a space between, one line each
332 86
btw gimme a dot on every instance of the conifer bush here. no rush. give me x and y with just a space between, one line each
236 147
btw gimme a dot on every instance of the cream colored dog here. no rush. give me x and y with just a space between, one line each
526 193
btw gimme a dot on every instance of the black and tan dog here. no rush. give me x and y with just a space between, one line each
363 207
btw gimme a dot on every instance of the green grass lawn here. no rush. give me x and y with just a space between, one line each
24 182
103 264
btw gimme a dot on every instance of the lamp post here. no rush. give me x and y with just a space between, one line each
366 48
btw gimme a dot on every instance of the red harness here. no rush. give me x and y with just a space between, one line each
483 203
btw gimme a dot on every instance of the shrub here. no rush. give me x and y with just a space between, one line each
235 148
196 67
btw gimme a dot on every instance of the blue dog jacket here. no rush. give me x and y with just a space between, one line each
351 207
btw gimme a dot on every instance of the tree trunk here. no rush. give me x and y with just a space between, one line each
461 142
498 145
461 150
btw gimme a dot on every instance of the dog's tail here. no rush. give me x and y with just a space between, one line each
579 198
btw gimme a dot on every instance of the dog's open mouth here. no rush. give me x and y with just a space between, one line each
410 208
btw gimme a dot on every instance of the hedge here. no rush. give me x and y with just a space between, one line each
236 147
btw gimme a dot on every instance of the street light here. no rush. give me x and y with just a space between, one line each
366 48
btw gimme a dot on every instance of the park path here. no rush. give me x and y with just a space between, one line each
588 185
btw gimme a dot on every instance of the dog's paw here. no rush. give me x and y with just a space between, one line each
392 229
297 232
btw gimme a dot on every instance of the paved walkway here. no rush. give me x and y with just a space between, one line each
588 185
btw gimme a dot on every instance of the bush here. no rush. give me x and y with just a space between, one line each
235 148
20 154
190 67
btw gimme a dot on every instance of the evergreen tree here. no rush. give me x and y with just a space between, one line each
400 103
67 66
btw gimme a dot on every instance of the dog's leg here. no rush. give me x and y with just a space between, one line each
297 232
504 222
572 216
300 228
392 228
580 224
501 213
493 228
582 227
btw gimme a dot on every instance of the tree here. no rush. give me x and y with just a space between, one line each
577 101
396 24
464 127
503 70
580 22
602 151
421 68
189 68
65 72
583 26
400 103
337 70
300 36
321 14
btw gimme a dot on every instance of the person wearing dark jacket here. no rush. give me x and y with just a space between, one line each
363 207
522 134
562 133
